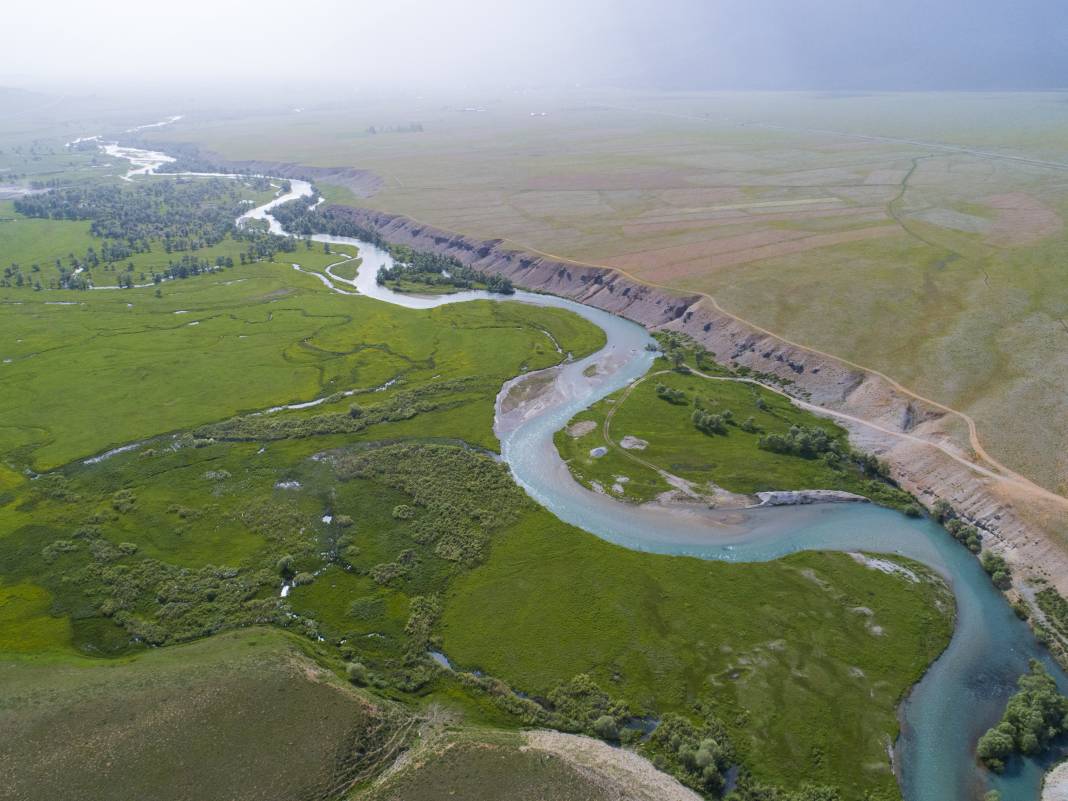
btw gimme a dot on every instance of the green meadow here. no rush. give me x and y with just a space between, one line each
143 592
654 420
247 338
786 652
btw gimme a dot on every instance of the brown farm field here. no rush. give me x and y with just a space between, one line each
919 235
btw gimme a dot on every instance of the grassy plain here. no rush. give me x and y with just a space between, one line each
393 532
785 651
180 537
732 460
251 337
916 256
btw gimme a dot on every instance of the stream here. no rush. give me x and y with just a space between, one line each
961 695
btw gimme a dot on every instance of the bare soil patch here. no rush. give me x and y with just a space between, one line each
581 428
621 774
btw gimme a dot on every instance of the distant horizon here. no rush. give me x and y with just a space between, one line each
669 45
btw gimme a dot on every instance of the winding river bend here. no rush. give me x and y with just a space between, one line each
964 691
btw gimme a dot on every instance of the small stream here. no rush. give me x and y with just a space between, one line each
962 694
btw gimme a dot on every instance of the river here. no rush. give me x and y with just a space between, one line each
964 691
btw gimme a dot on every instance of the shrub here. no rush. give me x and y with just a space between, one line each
675 396
357 673
123 501
303 578
386 572
967 535
284 567
403 512
996 746
697 753
606 728
579 703
467 546
51 553
424 611
708 423
807 442
942 511
998 569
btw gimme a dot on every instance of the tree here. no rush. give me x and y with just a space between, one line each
996 746
1035 715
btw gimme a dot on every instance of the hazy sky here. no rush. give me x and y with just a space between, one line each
832 44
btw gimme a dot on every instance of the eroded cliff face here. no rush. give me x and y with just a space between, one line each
599 287
1029 527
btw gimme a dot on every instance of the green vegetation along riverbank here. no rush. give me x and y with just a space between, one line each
367 530
693 419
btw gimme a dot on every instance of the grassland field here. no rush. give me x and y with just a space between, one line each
927 256
649 433
193 532
140 594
